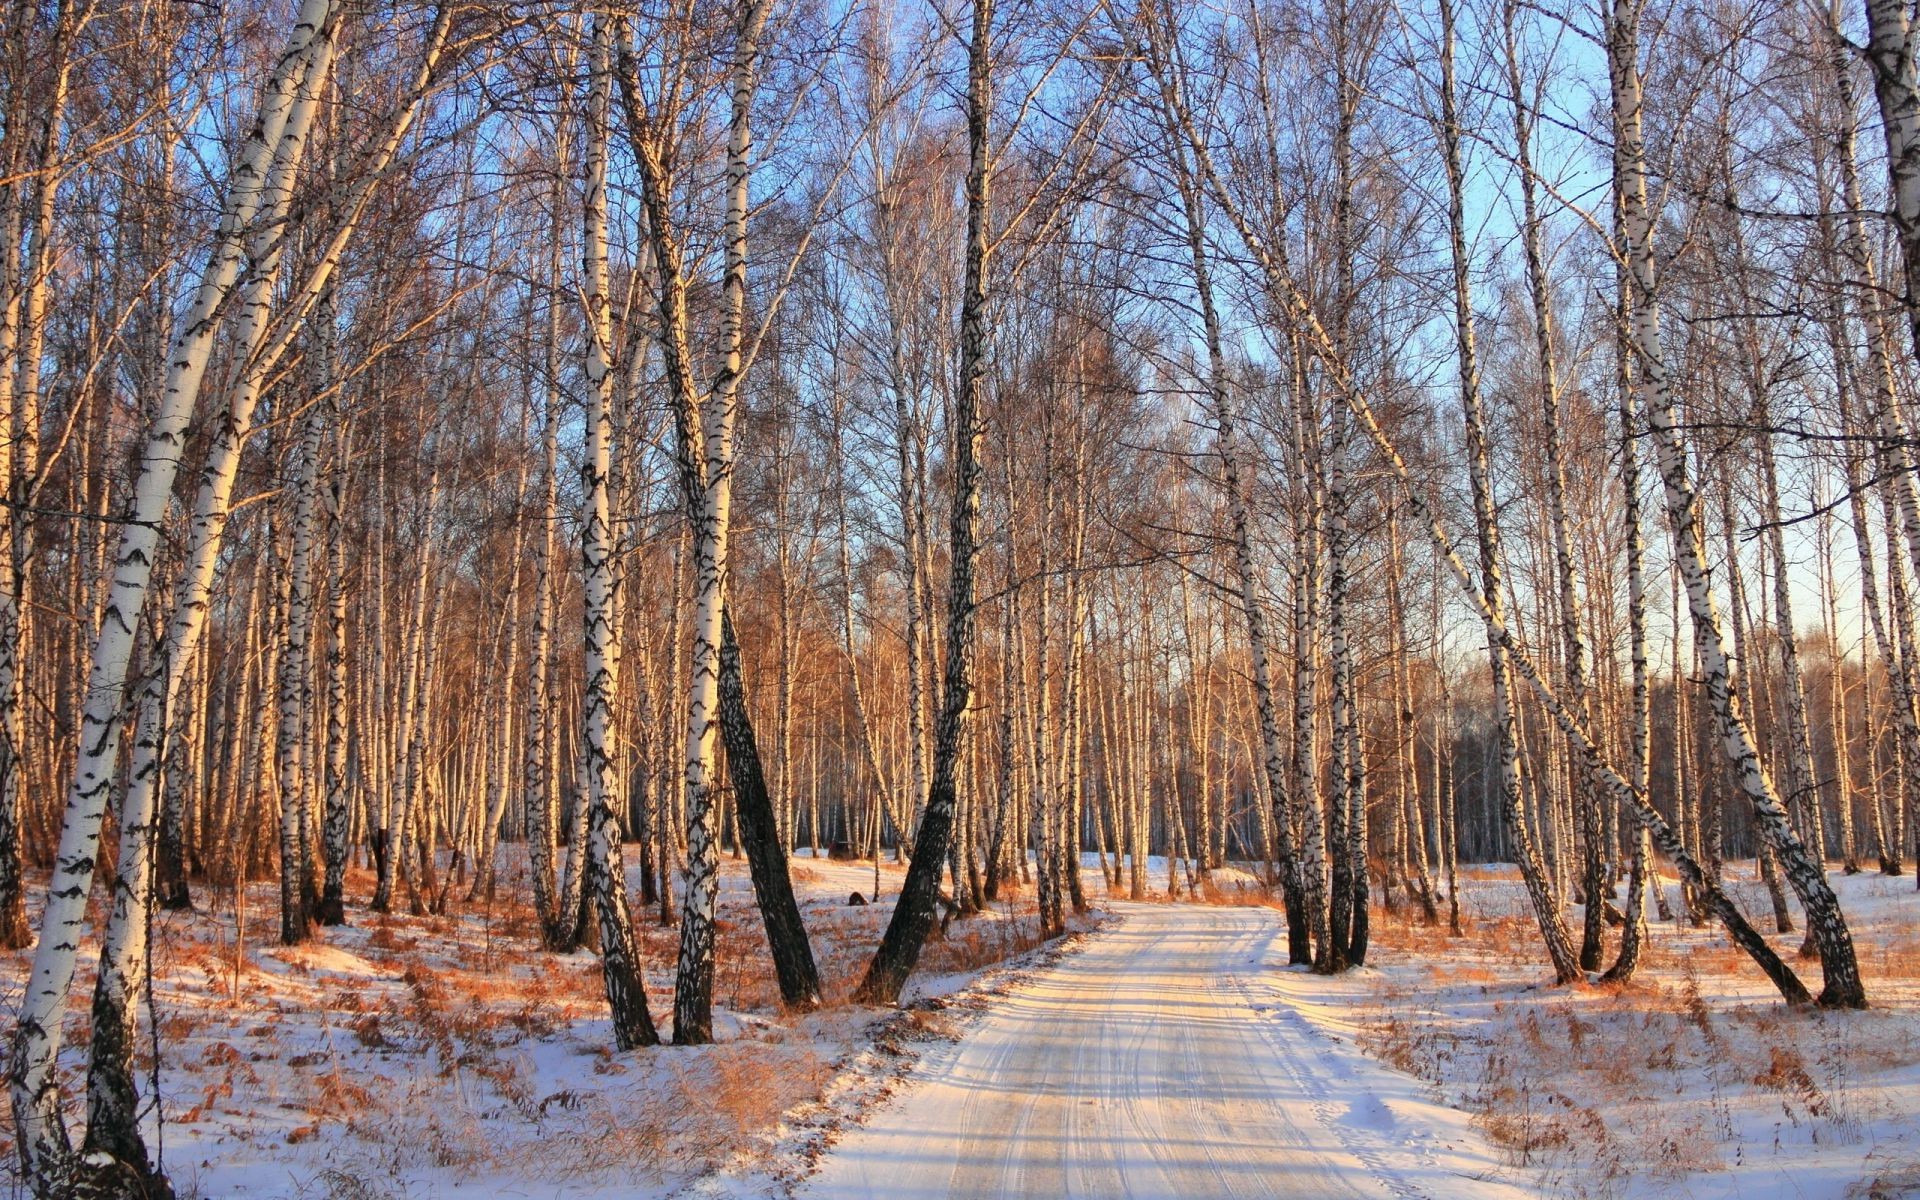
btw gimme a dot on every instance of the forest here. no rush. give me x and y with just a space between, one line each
760 506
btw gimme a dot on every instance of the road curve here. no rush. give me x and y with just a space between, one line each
1142 1066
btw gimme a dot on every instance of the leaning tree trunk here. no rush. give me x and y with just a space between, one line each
1546 906
1825 921
42 1141
112 1125
766 851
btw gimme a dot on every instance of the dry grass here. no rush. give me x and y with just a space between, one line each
1606 1088
453 1042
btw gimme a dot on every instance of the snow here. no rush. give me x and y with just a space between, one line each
1167 1051
1694 1081
450 1058
1161 1061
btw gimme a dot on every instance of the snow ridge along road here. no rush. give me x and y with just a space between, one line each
1161 1062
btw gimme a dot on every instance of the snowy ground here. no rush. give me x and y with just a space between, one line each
1178 1056
1170 1048
449 1058
1693 1082
1159 1063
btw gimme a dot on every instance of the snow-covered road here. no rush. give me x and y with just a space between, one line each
1159 1062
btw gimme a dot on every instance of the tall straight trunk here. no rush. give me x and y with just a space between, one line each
1827 924
15 932
182 788
1273 263
1864 291
1044 714
296 698
394 838
1227 445
1306 645
1896 86
1803 781
1906 724
1073 687
536 788
1640 705
1839 720
1406 731
1349 847
619 952
1445 807
869 745
913 912
912 532
1595 869
1890 58
1546 905
23 334
42 1140
1336 953
1000 839
668 781
491 807
337 836
1900 611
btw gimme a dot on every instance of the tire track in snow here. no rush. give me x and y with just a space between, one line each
1146 1066
1362 1142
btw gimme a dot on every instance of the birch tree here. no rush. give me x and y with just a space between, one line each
50 1164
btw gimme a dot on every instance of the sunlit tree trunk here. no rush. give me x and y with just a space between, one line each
1546 905
913 912
619 952
41 1134
1828 926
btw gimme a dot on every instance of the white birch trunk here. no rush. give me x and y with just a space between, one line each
712 517
1546 905
1273 265
619 953
42 1135
1827 924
